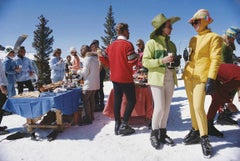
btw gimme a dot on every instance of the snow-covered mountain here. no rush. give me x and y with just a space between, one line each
3 55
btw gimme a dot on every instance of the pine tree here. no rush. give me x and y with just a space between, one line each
109 28
43 44
109 31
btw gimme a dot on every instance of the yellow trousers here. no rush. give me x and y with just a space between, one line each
196 96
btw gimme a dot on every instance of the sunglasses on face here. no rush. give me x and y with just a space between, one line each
195 22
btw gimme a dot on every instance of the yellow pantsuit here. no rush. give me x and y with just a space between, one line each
196 96
204 61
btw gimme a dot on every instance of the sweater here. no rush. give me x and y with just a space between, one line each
120 58
90 72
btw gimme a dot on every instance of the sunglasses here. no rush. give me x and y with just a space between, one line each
195 22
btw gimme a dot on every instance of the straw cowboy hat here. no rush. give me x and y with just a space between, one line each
159 20
201 14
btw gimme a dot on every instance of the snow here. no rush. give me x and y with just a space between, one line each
97 142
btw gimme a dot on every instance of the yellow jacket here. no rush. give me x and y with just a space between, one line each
205 58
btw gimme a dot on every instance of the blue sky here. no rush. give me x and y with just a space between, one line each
78 22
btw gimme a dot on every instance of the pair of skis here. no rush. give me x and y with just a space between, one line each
17 44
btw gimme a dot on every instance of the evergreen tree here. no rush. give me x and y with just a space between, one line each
43 44
109 31
109 28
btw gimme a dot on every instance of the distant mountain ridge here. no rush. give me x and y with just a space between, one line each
3 54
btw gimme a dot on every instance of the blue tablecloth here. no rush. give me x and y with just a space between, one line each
67 102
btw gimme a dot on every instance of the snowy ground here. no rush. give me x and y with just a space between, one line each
97 142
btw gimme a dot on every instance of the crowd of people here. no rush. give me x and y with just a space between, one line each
207 61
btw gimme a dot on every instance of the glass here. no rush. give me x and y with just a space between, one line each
170 65
189 50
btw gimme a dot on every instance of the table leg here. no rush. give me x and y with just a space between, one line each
31 123
29 128
59 119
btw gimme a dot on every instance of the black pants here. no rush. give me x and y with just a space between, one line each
99 95
27 83
129 90
3 98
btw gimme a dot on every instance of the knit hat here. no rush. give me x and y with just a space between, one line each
201 14
232 32
159 20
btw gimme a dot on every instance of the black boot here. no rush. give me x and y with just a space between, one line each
192 137
53 135
117 126
125 129
224 119
213 131
2 128
154 139
206 147
164 138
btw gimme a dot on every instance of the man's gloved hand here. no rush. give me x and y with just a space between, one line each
209 86
185 55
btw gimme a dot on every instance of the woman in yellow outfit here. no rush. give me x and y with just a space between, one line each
200 72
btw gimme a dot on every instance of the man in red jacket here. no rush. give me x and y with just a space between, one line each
228 80
120 58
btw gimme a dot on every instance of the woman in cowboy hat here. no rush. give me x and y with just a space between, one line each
160 77
199 75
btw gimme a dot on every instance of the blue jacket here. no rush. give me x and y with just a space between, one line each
3 79
9 66
57 69
26 64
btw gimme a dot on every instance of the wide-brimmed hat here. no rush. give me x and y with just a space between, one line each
201 14
159 20
9 50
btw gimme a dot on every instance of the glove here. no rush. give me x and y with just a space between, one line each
209 88
185 54
177 60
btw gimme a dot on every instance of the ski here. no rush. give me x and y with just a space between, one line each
19 41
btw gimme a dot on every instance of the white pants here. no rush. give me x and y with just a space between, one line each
162 97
